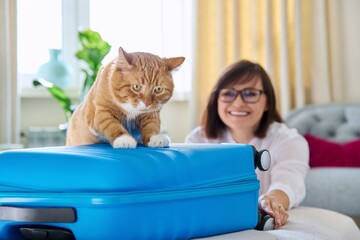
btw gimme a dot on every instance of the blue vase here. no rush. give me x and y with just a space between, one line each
55 70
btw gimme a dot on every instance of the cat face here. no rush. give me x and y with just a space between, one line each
142 82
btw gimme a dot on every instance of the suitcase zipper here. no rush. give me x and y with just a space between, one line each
232 186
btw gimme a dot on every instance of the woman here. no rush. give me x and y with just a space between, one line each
242 109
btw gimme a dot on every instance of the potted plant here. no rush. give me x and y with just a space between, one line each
92 52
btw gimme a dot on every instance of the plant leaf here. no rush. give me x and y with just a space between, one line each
93 51
58 94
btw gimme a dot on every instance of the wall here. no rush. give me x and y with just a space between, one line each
45 112
176 120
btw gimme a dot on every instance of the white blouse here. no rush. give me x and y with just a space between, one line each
289 159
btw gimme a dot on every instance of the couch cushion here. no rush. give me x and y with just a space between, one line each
304 223
325 153
334 188
338 122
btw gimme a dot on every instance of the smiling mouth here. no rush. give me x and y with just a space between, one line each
239 113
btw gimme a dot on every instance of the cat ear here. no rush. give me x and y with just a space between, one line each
124 59
173 63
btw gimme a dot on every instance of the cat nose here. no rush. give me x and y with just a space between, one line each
147 102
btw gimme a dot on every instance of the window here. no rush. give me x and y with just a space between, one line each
161 27
37 31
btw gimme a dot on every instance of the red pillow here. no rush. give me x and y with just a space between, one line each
352 153
324 153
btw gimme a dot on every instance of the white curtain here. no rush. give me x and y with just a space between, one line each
9 102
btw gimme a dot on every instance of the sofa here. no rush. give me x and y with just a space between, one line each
331 183
331 207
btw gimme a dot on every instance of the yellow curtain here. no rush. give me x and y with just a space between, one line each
295 40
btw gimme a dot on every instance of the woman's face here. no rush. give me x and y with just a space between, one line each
240 114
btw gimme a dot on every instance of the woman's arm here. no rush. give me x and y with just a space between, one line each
276 204
286 190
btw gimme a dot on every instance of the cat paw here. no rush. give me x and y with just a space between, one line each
124 141
159 140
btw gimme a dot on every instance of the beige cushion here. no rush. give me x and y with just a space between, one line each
304 223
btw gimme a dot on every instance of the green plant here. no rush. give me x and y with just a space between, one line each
59 95
92 52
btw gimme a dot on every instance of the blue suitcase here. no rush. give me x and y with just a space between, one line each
98 192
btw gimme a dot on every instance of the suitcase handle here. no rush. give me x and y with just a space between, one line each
46 233
54 215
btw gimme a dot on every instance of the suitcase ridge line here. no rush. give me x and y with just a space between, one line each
114 198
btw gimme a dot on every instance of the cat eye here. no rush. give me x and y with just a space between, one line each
136 87
158 89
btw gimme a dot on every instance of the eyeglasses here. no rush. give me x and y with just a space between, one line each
248 95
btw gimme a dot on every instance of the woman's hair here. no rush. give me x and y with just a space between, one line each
240 72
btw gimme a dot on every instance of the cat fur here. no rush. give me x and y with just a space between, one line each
125 99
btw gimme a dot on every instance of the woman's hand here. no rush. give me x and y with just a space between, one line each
275 203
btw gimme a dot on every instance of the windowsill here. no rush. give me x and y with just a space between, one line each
43 93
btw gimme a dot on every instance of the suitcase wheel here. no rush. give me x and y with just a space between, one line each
262 159
265 223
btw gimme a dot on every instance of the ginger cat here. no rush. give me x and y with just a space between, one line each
123 105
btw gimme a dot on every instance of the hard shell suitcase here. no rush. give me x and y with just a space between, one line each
98 192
